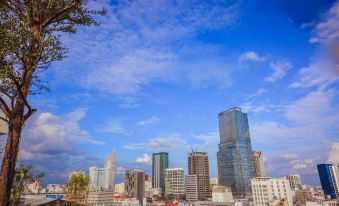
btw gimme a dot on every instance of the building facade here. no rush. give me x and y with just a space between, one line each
175 182
135 184
295 181
329 179
198 165
159 166
234 158
266 190
191 188
258 161
103 179
222 194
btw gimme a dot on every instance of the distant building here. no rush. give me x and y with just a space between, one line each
222 194
258 160
235 158
55 188
175 182
159 165
135 184
75 173
119 189
198 165
191 188
213 182
295 181
266 189
103 179
33 188
329 178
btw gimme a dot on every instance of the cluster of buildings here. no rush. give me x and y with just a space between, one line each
241 177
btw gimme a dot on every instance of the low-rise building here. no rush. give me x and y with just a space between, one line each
295 181
191 188
266 189
55 188
33 188
222 194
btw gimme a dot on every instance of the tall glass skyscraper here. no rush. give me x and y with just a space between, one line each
329 178
235 159
159 166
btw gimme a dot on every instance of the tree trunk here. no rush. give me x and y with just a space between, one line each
9 160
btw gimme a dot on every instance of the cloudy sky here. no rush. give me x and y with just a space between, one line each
155 74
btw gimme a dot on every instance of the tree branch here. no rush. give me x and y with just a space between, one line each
4 107
4 119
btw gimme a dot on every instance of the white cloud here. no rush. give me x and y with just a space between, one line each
113 126
333 155
280 69
149 121
251 56
144 159
157 143
257 93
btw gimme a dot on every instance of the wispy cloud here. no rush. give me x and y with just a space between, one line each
113 126
280 69
157 143
149 121
251 56
146 159
333 155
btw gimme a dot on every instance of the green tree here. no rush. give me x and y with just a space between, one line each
30 41
77 188
24 175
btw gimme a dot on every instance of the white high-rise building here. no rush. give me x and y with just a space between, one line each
103 179
175 182
191 188
266 189
295 181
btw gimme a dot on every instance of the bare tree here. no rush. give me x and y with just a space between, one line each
30 41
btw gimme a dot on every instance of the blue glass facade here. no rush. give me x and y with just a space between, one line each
235 159
327 180
159 166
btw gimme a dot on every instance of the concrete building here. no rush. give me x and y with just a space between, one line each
213 182
222 194
100 198
135 184
55 188
119 189
103 179
175 182
329 178
159 166
295 181
198 165
266 189
235 158
258 161
34 188
191 188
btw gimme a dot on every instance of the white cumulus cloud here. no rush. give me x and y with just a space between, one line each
144 159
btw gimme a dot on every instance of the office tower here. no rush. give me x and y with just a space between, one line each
103 179
135 184
295 181
175 182
198 165
258 160
191 188
329 179
159 165
235 159
266 190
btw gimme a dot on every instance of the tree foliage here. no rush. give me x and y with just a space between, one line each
77 187
24 175
30 39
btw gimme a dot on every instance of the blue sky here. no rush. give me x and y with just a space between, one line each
154 76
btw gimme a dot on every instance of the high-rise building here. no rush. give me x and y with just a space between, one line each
159 166
198 165
191 187
266 190
295 181
235 159
258 160
329 179
103 179
175 182
135 184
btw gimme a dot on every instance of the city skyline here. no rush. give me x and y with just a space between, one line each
150 82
